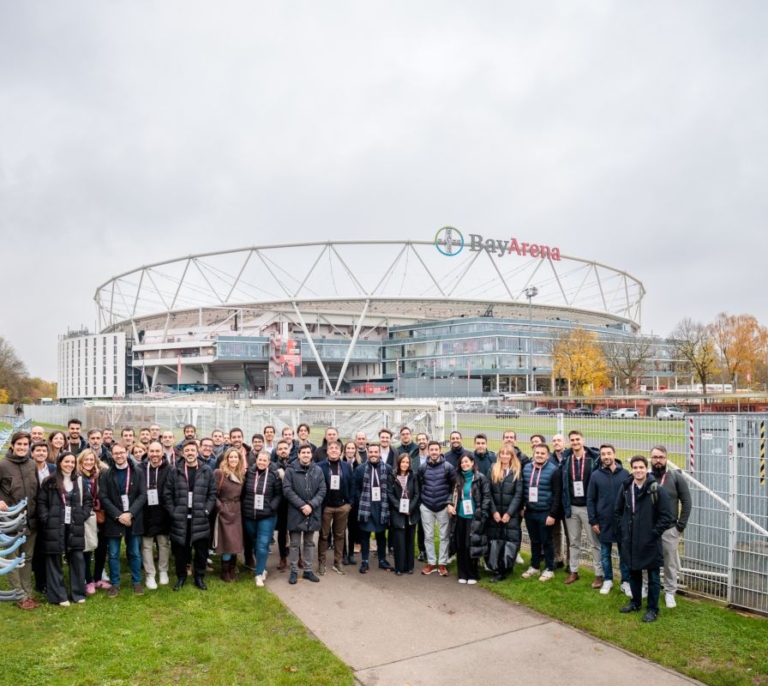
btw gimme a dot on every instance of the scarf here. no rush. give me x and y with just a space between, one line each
364 510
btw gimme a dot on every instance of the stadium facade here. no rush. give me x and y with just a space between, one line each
466 313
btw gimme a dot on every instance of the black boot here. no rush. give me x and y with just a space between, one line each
200 583
179 583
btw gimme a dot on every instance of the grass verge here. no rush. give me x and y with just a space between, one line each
231 634
698 638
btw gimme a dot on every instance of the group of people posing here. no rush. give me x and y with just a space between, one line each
86 495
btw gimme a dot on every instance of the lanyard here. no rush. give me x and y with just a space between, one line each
375 477
533 473
573 468
663 478
256 482
127 479
470 488
633 498
186 475
149 469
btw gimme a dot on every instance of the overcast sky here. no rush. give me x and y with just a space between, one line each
631 133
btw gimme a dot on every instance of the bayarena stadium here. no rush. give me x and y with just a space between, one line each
460 314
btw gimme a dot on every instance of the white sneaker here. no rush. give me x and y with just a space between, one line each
605 589
669 598
625 589
150 583
528 573
164 578
546 575
645 591
519 560
462 581
264 575
471 581
260 580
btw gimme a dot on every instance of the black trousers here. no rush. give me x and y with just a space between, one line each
282 529
39 564
466 566
420 537
403 540
192 551
57 591
381 545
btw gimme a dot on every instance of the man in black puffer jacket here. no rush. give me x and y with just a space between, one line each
189 497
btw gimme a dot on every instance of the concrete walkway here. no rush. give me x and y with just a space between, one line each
418 631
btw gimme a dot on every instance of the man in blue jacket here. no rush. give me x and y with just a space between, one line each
436 480
336 505
604 488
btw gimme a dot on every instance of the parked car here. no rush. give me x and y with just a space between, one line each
558 410
625 413
540 411
604 413
583 412
504 412
670 413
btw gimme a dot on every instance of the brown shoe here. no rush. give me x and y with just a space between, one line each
442 570
429 569
598 582
282 564
572 576
27 604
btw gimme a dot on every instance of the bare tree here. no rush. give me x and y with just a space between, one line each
693 342
628 360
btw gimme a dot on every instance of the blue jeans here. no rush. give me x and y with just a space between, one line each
654 588
541 537
133 552
260 531
605 558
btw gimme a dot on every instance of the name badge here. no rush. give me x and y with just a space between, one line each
466 507
578 489
126 504
152 498
404 505
533 494
258 502
189 500
335 482
375 494
67 514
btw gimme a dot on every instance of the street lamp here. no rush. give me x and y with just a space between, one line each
531 292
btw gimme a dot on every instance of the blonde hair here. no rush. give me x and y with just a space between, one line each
226 470
96 462
497 471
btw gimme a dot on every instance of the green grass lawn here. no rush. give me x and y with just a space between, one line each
698 638
231 634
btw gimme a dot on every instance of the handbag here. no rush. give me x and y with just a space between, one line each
101 516
90 524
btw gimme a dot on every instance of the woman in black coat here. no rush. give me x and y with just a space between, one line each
63 504
470 509
504 532
404 501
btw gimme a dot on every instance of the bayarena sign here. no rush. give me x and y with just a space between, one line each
450 242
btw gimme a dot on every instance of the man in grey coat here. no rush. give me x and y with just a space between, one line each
304 489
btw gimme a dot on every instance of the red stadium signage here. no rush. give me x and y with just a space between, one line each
500 248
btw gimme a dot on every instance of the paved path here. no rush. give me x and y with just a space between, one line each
419 631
